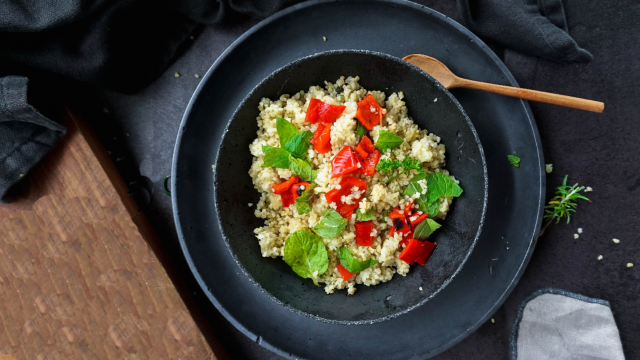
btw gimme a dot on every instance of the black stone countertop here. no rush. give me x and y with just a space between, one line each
597 150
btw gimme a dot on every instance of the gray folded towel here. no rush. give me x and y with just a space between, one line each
557 324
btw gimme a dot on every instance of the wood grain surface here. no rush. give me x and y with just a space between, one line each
77 278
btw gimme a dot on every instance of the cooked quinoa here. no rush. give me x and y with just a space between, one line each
281 222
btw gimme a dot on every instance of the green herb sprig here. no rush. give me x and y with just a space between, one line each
563 204
391 168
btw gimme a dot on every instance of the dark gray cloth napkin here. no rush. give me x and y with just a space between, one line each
533 27
126 44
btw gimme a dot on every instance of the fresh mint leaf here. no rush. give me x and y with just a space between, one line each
286 131
331 224
304 201
440 185
514 160
275 157
360 129
305 252
299 144
414 186
431 209
388 140
391 168
302 169
352 264
368 215
425 228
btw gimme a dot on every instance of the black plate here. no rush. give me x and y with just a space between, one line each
504 125
233 188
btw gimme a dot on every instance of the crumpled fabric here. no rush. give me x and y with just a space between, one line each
554 324
534 27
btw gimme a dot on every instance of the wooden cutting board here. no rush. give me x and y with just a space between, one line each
77 278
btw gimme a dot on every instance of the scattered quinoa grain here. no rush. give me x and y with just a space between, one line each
548 168
191 37
435 100
599 257
579 230
629 265
176 74
616 241
324 38
197 76
588 189
21 175
575 236
420 288
250 204
493 321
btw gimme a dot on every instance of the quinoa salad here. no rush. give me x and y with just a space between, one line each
351 188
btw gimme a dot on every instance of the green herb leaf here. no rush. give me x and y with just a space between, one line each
564 203
331 224
368 215
388 140
431 209
299 144
360 129
425 228
305 252
286 131
302 169
414 186
392 167
304 201
275 157
514 160
440 185
351 264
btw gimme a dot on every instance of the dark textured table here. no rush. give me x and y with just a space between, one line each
597 150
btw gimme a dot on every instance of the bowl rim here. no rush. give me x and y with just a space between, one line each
439 86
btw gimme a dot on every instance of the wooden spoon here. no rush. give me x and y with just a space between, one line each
449 80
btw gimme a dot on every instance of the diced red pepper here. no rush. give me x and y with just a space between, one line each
371 162
346 187
280 188
346 275
363 232
323 112
417 221
289 197
411 252
404 242
369 112
427 250
321 139
400 224
346 162
408 207
365 147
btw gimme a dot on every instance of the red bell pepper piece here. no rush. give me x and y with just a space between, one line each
363 232
427 250
369 112
346 188
346 162
280 188
408 207
321 139
404 242
400 224
411 252
365 147
371 162
323 112
417 221
346 275
289 197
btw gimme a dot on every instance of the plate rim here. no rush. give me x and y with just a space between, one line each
457 26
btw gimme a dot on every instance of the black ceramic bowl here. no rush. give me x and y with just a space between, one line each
456 239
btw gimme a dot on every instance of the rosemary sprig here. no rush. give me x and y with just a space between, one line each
563 204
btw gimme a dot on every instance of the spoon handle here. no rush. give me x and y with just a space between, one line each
534 95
